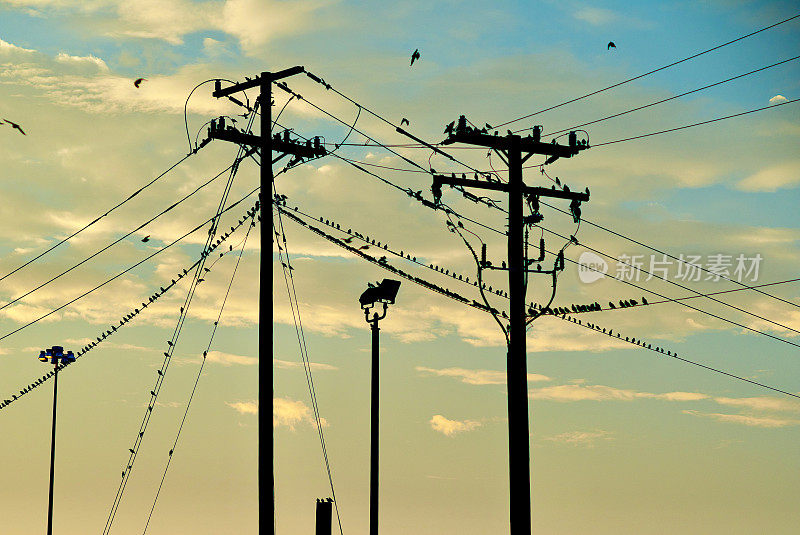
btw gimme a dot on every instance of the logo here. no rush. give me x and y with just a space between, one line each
591 267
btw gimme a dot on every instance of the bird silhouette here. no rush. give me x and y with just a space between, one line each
348 240
131 450
404 121
449 128
363 247
644 301
611 45
139 81
414 57
15 125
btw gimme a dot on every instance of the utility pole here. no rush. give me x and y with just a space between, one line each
511 149
267 144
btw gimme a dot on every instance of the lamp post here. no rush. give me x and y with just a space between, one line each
384 293
56 356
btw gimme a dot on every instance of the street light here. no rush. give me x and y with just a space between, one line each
55 355
384 293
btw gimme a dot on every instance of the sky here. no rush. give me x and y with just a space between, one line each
623 439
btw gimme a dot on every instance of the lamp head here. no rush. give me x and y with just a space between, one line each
385 292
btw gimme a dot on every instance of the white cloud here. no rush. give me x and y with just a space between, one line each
580 438
477 377
228 359
584 392
743 419
285 364
774 177
288 412
451 427
595 16
777 99
7 48
82 60
244 407
763 403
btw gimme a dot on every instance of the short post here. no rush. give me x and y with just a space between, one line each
324 516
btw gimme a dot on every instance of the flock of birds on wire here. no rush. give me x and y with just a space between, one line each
251 213
534 310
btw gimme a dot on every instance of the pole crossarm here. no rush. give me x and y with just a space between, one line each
498 186
527 144
309 149
255 82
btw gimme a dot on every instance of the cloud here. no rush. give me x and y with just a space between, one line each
763 403
477 377
752 421
228 359
244 407
580 438
584 392
285 364
595 16
777 99
774 177
93 61
451 427
288 412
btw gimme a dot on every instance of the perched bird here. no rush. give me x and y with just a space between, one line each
414 57
404 121
611 45
449 128
131 450
644 301
15 125
138 82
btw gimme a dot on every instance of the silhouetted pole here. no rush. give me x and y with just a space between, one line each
266 144
384 293
266 453
373 428
56 356
52 453
516 369
511 147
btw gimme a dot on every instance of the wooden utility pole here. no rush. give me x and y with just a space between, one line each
267 145
511 149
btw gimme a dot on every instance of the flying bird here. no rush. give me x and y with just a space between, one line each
611 45
139 81
404 121
146 238
414 56
15 125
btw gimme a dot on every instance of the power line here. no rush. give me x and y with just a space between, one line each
649 72
126 318
652 248
432 206
131 196
477 305
694 124
199 373
172 343
137 264
201 186
669 98
288 277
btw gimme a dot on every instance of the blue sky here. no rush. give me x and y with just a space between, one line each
623 439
